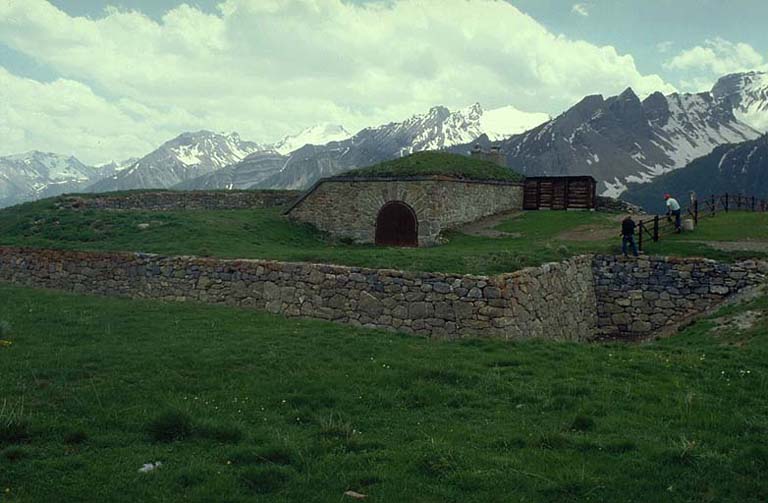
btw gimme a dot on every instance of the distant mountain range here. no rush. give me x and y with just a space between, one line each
437 129
34 175
187 156
622 141
734 169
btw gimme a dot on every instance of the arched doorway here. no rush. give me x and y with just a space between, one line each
396 225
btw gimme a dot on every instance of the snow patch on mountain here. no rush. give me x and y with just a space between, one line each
319 134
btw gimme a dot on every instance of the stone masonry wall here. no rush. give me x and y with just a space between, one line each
636 297
348 207
554 301
184 200
579 299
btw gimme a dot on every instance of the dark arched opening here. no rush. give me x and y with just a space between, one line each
396 225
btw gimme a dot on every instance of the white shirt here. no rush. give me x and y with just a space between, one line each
672 204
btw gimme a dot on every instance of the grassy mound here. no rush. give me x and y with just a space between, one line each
438 164
319 409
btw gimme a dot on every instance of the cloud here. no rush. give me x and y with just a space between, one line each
67 117
580 9
703 64
665 46
267 68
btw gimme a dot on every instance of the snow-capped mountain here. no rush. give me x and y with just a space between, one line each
316 135
747 94
35 175
735 169
622 140
437 129
114 167
187 156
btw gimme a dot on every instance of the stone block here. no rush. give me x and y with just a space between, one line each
370 304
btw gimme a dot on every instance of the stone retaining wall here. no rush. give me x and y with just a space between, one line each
166 200
555 301
579 299
636 297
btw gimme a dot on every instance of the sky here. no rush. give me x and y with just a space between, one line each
108 80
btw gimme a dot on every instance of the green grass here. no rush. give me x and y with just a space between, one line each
440 164
732 226
533 238
94 388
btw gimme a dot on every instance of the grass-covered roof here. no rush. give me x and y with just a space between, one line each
437 164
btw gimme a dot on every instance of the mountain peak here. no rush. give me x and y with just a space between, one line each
628 93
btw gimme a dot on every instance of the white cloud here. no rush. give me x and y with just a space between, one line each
580 9
66 117
267 68
703 64
665 46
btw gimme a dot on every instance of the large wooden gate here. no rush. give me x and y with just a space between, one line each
396 225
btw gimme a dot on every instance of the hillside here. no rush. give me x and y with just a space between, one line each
736 169
506 243
437 164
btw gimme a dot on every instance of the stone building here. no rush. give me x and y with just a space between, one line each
402 211
409 201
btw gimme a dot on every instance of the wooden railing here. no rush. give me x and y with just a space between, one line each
656 227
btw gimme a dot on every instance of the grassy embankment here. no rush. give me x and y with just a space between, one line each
244 406
529 239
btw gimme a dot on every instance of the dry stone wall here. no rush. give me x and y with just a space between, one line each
579 299
636 297
348 207
167 200
553 301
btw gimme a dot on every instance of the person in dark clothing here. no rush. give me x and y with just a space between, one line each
628 235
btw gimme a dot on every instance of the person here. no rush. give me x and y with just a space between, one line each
673 209
628 235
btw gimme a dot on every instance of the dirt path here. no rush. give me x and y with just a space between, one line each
485 226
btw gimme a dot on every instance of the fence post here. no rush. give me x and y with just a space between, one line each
726 202
753 203
655 228
696 212
640 236
714 205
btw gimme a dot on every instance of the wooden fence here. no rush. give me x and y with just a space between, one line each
656 227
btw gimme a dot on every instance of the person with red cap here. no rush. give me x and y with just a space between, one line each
673 209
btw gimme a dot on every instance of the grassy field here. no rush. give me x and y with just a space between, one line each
239 405
530 239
